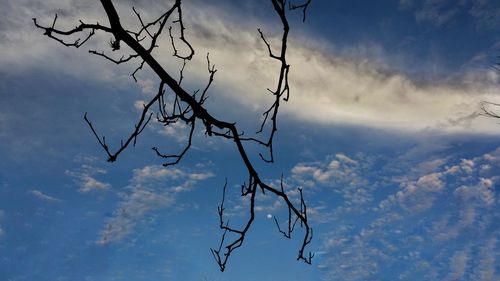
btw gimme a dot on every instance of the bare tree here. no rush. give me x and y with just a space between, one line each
189 107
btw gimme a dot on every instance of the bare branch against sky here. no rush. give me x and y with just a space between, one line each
174 103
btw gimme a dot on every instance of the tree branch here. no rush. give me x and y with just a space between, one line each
189 108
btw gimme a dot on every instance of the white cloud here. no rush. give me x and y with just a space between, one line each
335 164
303 169
340 174
452 170
420 195
42 196
140 201
200 176
89 184
343 158
85 178
23 46
155 172
334 90
148 86
139 104
327 88
487 183
431 182
151 188
178 179
177 131
190 182
481 193
467 165
340 168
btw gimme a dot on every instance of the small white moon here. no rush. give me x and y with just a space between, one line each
269 216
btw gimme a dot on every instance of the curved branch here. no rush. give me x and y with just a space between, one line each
188 108
50 31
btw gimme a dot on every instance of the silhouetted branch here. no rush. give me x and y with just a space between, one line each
122 59
189 108
302 6
177 157
487 111
50 31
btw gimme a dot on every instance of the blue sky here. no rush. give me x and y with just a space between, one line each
382 131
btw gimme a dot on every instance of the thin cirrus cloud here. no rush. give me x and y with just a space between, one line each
131 210
85 178
151 188
43 197
327 88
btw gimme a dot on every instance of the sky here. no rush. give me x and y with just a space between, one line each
383 132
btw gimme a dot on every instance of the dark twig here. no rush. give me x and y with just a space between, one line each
302 6
487 111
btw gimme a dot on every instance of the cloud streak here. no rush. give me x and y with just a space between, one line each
151 188
327 88
85 178
131 210
43 197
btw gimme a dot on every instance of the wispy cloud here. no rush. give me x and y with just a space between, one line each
177 131
177 179
151 188
341 174
43 197
488 257
330 88
89 183
131 210
85 177
327 87
155 173
458 265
